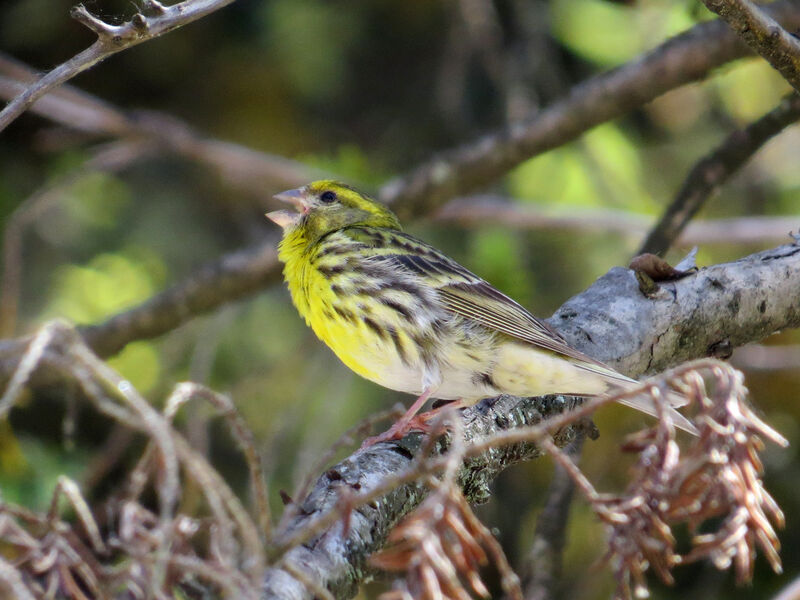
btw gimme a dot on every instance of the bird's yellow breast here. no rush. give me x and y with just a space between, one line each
340 308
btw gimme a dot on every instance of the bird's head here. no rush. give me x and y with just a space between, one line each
326 206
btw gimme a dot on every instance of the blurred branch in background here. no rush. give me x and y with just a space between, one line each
110 40
683 59
758 357
239 166
686 57
488 209
714 169
763 35
232 277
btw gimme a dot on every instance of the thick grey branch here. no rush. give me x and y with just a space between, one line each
723 305
718 308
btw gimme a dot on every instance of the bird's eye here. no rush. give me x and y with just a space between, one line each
328 197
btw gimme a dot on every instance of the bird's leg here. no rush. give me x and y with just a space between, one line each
421 421
403 425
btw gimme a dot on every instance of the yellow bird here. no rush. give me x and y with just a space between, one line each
402 314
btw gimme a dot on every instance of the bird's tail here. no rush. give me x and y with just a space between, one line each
646 404
617 382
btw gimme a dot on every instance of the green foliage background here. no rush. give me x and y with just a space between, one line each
365 90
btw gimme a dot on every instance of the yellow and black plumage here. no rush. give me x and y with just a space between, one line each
402 314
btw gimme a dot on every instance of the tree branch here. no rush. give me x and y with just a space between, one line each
714 169
110 40
763 35
683 59
612 321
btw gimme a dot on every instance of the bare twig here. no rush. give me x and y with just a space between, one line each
11 581
685 58
26 365
70 490
790 592
155 542
763 35
715 168
110 40
186 391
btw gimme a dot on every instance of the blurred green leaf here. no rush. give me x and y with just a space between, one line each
108 284
139 363
750 88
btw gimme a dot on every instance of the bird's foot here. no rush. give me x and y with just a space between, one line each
399 430
420 422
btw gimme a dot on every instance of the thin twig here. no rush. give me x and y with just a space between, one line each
244 438
714 169
70 490
159 429
790 592
11 581
27 364
110 40
763 35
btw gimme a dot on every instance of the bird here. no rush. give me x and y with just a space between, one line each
402 314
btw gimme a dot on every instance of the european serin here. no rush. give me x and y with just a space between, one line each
402 314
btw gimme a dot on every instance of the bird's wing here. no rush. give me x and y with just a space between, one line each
467 295
463 293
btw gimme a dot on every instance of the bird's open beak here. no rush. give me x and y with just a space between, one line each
287 218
